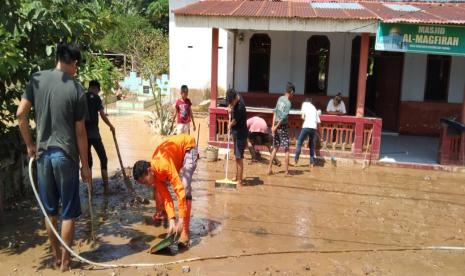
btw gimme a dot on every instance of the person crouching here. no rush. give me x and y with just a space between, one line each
174 156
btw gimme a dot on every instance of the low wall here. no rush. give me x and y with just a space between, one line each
340 136
195 95
269 100
422 118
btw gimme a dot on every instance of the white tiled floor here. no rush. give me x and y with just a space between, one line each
411 149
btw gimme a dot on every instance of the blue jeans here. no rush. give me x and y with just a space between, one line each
312 139
58 181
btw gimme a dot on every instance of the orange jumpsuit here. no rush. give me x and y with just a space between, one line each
167 161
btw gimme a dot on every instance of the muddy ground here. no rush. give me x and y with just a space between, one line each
332 221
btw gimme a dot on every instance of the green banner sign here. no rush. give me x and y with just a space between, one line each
433 39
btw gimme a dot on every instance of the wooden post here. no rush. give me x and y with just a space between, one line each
362 74
214 68
212 124
463 107
462 143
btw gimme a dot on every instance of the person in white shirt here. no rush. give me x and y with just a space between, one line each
336 106
311 118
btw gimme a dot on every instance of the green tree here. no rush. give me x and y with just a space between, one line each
150 53
28 34
102 69
124 32
158 14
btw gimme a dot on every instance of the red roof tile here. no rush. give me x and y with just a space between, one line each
249 8
302 10
275 9
438 13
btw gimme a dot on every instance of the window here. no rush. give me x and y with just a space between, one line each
437 77
259 62
316 72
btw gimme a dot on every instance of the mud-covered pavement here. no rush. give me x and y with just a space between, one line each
331 221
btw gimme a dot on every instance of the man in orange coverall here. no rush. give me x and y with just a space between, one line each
177 154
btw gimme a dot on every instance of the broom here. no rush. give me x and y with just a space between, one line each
226 182
330 154
370 138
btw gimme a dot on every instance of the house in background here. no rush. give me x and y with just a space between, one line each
401 86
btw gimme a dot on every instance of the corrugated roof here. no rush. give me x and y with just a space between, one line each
337 5
403 11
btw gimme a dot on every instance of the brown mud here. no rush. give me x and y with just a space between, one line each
332 221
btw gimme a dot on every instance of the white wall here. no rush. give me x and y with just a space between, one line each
457 80
280 61
241 72
192 66
298 60
339 64
414 77
288 61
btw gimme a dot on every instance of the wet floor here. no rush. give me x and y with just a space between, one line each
332 221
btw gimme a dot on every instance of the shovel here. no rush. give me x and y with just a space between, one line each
165 243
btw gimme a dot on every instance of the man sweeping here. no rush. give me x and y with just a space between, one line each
238 129
176 155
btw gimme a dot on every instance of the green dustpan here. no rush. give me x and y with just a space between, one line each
165 243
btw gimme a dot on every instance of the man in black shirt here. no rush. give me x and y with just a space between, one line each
95 108
238 128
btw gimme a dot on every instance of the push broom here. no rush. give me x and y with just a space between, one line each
226 182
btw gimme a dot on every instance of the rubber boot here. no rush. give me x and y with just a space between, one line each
184 239
106 188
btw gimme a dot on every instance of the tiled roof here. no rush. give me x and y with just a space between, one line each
387 11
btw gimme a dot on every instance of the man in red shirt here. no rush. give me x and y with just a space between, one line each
183 114
177 154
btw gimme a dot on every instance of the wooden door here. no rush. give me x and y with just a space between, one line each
259 63
388 83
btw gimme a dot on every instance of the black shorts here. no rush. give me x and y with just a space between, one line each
259 138
239 147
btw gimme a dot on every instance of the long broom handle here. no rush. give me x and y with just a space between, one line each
92 231
198 135
227 153
119 154
121 162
